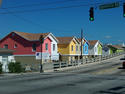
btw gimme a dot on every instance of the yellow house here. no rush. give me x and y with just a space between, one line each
68 47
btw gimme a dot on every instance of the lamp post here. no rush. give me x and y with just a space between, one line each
41 39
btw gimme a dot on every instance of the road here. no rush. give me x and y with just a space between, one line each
102 78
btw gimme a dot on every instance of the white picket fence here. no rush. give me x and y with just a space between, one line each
57 65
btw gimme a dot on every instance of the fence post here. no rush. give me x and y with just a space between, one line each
60 64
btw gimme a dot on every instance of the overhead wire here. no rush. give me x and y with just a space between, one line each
39 4
46 9
34 23
53 8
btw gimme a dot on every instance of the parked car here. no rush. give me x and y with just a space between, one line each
123 64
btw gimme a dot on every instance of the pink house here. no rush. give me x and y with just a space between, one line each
27 44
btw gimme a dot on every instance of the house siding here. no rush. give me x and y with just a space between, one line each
85 48
24 47
99 49
54 53
63 49
95 49
74 48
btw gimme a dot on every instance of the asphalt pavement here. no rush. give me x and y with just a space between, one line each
84 80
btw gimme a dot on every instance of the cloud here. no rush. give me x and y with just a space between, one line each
119 40
108 37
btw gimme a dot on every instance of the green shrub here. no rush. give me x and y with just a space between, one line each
18 67
15 67
11 67
1 68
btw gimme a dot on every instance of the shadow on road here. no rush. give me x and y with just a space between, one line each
121 68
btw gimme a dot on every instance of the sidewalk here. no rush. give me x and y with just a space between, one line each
17 74
60 69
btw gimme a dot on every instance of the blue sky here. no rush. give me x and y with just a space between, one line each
108 26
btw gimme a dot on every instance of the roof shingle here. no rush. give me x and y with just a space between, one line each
64 40
31 36
92 42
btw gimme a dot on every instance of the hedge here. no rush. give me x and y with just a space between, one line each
1 68
15 67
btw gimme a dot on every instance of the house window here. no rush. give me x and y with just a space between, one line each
85 48
54 46
15 45
76 48
46 46
6 46
34 47
72 48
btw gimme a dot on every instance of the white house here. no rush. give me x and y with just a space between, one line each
95 47
54 48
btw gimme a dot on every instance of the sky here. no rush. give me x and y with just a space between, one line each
40 16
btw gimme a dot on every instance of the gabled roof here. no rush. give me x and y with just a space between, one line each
92 42
31 36
116 46
66 40
105 48
84 40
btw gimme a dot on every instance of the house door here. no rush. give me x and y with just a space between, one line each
5 63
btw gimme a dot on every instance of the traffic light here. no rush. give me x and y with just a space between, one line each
91 14
123 9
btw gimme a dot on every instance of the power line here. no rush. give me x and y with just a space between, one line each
34 23
38 4
43 9
55 8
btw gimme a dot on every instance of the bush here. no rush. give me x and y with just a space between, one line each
15 67
1 68
11 67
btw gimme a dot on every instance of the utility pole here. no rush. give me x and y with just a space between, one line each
41 39
81 43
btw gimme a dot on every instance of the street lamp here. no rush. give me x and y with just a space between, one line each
41 39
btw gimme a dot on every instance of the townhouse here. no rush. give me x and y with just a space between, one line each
116 48
25 46
68 48
95 48
106 50
85 46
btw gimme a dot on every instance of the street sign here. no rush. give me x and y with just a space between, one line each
45 55
108 6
